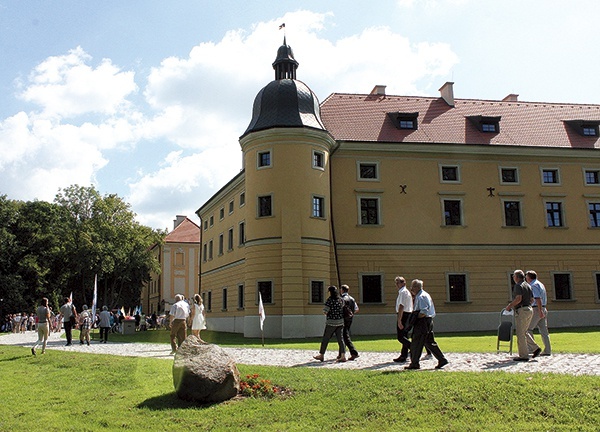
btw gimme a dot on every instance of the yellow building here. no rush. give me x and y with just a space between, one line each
365 187
179 258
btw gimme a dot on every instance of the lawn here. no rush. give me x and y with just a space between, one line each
567 340
84 392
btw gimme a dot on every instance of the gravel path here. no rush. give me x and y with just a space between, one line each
573 364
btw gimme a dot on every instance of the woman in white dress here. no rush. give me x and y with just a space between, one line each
199 318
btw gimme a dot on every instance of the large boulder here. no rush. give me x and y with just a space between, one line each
204 372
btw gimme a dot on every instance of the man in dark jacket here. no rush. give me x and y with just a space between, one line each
350 308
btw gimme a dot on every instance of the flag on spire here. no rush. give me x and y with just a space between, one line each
282 26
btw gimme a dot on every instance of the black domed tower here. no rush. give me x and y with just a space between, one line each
286 161
285 102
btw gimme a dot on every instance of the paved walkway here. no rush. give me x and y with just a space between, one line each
573 364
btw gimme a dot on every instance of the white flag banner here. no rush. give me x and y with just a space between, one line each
95 298
261 311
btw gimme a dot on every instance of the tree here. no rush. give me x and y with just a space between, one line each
54 249
105 240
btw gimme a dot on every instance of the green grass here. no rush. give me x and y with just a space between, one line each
567 340
85 392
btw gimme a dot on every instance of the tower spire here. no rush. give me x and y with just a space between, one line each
285 65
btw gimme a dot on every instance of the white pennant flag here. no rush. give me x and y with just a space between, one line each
95 298
261 311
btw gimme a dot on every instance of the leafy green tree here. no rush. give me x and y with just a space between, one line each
104 239
11 285
55 249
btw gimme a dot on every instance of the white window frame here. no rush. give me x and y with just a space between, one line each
377 177
230 239
224 299
467 286
258 159
272 291
310 284
258 215
563 216
595 170
361 289
553 281
587 211
312 207
441 167
558 176
517 173
379 215
221 245
241 290
503 201
596 276
314 165
443 199
242 236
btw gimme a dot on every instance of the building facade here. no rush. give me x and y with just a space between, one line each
179 258
365 187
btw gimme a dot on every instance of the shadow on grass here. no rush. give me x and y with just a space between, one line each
171 401
13 358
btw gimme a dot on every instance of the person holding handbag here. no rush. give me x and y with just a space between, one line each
334 324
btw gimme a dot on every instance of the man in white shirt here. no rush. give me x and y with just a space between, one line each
178 316
404 308
540 313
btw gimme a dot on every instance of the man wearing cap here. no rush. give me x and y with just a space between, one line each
178 316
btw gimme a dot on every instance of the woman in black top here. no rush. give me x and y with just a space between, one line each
334 323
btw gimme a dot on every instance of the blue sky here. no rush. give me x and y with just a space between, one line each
147 98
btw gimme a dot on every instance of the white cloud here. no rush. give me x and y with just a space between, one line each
65 86
194 109
49 156
182 184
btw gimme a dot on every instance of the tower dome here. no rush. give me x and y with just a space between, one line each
285 102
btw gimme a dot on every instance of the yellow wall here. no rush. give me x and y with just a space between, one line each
291 248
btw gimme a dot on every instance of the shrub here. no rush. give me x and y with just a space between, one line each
254 386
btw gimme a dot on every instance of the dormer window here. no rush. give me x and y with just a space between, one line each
489 127
486 124
406 121
586 128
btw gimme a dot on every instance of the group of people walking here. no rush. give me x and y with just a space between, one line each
414 309
69 319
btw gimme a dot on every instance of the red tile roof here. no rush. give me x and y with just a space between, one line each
356 117
186 232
